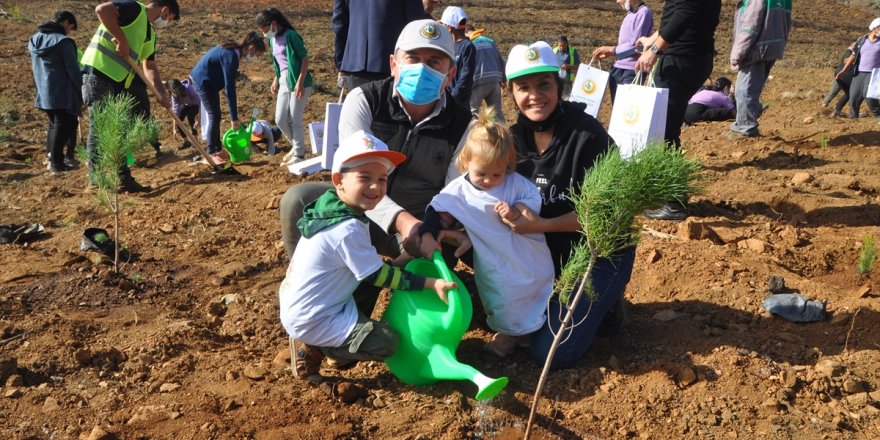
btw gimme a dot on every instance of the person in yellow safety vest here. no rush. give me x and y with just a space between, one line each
127 30
569 60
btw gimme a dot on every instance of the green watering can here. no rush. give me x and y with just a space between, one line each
238 142
430 332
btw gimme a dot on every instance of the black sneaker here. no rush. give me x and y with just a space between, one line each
60 169
668 211
129 185
71 162
185 145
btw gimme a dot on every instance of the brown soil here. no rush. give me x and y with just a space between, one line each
157 352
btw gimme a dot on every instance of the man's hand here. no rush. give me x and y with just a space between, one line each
164 100
121 47
298 91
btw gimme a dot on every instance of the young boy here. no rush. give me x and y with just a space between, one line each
334 257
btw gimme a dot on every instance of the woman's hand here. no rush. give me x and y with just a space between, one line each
298 91
275 86
528 222
236 124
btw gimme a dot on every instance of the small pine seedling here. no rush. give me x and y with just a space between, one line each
867 256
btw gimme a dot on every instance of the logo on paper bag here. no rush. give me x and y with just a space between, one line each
532 55
589 87
631 114
430 32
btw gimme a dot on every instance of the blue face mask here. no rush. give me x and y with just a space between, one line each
419 84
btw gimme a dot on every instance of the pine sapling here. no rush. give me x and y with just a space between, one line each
120 134
614 191
867 255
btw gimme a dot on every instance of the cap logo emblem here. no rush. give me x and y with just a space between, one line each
532 55
430 32
369 143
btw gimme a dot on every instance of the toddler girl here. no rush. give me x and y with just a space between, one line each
514 272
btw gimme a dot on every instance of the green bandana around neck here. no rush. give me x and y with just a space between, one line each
324 212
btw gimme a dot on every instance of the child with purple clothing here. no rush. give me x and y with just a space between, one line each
712 103
185 104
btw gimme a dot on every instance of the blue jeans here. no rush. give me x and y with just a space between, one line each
750 83
211 103
619 76
609 278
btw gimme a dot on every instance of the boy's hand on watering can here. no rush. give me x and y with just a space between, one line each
457 238
441 287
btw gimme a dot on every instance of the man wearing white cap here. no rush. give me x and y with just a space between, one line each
412 114
866 57
455 20
760 33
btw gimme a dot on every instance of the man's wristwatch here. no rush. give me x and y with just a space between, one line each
655 49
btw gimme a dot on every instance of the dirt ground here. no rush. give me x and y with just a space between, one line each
186 342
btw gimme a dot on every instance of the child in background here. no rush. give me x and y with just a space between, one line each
185 104
263 133
712 103
292 83
319 296
514 272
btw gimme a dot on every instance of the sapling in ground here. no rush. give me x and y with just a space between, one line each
120 134
614 191
867 255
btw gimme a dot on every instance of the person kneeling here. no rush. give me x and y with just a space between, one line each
334 263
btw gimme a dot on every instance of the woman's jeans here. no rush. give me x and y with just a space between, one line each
211 104
609 277
62 126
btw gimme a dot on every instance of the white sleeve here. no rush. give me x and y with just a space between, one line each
527 193
452 171
384 213
355 114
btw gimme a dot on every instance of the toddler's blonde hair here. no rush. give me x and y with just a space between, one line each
488 142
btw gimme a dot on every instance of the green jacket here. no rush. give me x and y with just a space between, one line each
295 51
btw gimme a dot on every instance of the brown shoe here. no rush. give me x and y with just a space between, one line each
306 361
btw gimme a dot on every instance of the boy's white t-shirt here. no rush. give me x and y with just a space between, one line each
317 306
514 272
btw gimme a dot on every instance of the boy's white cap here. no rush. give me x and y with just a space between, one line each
452 17
874 24
525 60
257 132
362 147
426 34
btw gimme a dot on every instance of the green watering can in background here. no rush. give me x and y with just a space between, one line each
238 142
430 332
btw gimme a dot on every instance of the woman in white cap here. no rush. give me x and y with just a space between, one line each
866 57
557 143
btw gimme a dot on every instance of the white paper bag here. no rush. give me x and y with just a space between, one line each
874 85
638 117
316 137
589 87
331 133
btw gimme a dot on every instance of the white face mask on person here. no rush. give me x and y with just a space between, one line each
272 32
160 22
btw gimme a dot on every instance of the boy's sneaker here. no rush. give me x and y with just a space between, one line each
71 162
337 364
60 169
186 144
306 361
